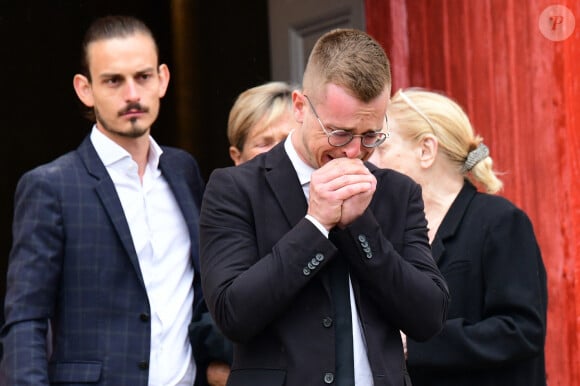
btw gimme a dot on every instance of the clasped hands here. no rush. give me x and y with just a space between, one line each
340 191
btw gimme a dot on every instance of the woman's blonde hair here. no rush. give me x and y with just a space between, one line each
420 112
268 101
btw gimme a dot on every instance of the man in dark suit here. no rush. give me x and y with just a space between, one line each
313 259
103 278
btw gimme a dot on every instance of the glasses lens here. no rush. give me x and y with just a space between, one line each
339 137
373 139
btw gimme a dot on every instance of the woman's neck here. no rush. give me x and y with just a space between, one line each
439 192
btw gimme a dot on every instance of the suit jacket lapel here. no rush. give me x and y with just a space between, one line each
106 191
178 184
283 181
452 219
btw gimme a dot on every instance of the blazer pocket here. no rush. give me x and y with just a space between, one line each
74 372
253 377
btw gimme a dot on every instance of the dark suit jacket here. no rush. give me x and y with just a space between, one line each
494 335
73 261
267 295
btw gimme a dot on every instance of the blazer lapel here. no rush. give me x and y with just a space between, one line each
106 191
184 197
452 219
283 180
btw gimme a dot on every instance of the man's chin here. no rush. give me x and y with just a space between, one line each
137 128
136 133
130 132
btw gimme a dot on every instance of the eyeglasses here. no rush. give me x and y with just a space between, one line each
338 138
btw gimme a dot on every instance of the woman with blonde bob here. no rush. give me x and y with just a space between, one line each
484 246
261 117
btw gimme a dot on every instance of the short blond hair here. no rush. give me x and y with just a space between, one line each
351 59
268 101
434 113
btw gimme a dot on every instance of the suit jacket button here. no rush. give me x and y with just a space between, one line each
306 271
327 322
319 257
144 317
362 238
144 365
328 378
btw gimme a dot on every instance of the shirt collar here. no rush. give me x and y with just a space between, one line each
110 152
302 168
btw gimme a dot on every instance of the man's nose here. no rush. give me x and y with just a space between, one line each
353 148
131 91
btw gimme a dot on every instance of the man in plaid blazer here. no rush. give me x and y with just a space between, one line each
103 278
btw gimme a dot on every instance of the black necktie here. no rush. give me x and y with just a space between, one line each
342 320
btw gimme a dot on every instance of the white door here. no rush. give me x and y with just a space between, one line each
295 25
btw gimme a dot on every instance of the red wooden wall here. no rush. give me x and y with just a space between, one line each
522 91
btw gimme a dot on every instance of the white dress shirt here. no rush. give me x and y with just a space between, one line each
161 239
363 375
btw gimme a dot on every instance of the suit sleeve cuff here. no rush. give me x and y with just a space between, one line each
318 225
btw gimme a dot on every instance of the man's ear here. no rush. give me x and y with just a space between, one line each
235 155
429 148
298 101
163 79
84 91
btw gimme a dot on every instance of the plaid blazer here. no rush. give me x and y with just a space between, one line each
73 263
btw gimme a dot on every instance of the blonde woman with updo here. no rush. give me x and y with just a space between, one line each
483 245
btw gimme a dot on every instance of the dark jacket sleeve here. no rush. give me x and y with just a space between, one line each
35 258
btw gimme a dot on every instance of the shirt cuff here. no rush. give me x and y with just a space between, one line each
318 225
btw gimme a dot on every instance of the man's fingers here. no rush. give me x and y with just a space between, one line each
345 180
339 167
347 191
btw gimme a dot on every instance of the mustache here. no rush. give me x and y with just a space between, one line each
133 107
